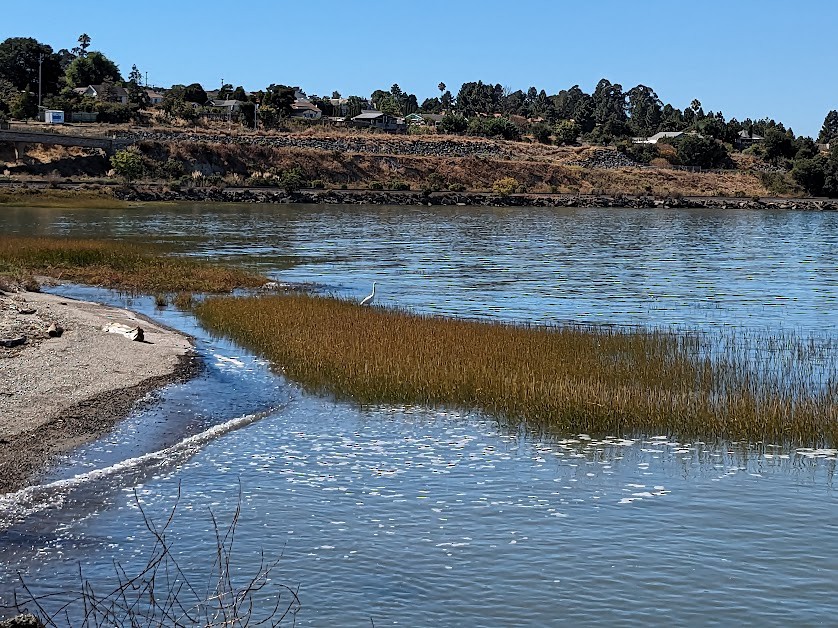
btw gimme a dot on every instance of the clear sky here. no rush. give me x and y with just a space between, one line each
749 58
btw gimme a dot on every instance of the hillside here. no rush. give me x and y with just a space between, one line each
359 160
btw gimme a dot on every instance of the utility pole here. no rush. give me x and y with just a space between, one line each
146 79
40 63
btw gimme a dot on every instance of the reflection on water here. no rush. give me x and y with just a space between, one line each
696 268
413 516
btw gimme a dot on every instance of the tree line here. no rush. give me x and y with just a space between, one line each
610 115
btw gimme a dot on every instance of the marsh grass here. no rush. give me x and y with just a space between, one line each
118 265
65 199
598 380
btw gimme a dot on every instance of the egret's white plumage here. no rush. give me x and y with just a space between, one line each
368 299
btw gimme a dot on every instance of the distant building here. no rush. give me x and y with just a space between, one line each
225 106
105 92
154 97
747 138
372 119
304 108
423 119
654 139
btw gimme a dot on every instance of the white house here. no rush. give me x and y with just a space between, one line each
155 98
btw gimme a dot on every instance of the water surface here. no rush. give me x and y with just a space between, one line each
414 516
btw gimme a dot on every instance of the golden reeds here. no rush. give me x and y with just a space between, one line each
561 379
118 265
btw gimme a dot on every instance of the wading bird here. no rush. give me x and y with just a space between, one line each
368 299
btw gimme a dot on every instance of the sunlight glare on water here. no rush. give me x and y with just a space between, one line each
412 516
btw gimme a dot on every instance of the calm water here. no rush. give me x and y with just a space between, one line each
415 517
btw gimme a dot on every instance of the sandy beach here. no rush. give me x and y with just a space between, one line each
58 392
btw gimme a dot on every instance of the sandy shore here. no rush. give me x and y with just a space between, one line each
56 393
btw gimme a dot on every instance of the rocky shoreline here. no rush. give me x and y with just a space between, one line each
463 199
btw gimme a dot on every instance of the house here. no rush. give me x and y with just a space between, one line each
432 119
304 108
154 97
657 137
372 119
225 106
105 92
414 119
747 138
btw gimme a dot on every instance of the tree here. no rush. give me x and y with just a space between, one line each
431 105
128 164
280 97
778 145
24 106
19 59
195 93
441 87
644 110
92 69
336 94
810 174
84 44
830 184
541 133
8 93
829 130
609 102
694 150
566 132
494 127
452 123
805 148
137 94
475 98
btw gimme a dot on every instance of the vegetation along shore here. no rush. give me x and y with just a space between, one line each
554 379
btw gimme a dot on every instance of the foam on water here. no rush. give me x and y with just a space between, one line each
15 507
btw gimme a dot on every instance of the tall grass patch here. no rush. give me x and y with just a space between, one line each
565 379
118 265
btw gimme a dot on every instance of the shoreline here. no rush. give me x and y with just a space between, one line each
58 393
125 197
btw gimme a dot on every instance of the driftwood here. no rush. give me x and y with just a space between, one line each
55 330
12 342
132 333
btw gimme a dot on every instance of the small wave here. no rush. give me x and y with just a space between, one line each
16 506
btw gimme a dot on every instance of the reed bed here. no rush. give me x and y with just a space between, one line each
119 265
597 380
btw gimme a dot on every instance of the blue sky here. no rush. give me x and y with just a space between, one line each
746 57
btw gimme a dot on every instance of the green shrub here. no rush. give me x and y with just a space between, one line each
494 127
397 184
375 185
505 186
128 164
433 182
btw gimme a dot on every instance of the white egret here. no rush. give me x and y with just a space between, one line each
368 299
